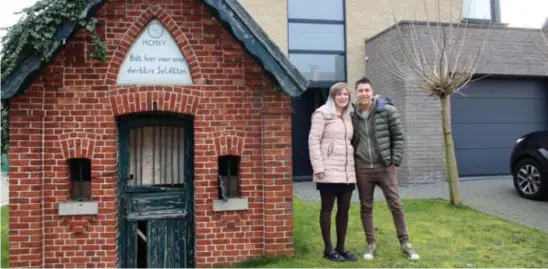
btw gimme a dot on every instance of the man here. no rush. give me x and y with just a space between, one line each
378 146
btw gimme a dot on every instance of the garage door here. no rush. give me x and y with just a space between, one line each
490 117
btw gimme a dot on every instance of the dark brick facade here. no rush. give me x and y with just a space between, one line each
508 52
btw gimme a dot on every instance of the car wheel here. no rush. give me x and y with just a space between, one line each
530 180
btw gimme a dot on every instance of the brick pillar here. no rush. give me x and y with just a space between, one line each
25 177
278 180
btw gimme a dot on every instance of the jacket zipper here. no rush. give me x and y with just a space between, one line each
369 143
346 153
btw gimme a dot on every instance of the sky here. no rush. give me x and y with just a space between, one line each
7 18
517 13
524 13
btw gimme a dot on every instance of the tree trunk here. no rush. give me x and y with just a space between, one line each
452 171
446 161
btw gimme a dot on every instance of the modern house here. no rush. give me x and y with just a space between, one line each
341 40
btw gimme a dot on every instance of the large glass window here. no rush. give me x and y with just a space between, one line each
319 67
481 10
313 36
317 48
317 44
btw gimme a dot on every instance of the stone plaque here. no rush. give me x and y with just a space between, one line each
154 59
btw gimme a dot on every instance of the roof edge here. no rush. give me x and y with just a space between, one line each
257 43
469 25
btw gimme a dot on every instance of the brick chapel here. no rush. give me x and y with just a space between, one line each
174 152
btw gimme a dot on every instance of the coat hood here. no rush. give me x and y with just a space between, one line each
381 101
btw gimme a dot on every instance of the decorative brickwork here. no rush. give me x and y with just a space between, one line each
229 143
72 109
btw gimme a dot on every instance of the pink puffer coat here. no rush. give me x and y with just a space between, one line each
330 148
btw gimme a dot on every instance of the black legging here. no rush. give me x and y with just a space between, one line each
343 204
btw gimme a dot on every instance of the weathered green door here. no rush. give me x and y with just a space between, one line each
156 193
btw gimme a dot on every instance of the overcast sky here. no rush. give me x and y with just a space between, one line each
517 13
524 13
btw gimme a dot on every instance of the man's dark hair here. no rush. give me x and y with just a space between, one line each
363 80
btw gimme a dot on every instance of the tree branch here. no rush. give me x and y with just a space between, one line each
447 62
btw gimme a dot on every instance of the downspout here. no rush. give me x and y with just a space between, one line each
262 164
42 182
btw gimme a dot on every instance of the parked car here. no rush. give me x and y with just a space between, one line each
529 165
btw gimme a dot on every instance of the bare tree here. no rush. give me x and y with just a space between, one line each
439 58
540 44
544 35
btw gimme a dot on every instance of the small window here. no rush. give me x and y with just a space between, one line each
80 179
156 156
229 177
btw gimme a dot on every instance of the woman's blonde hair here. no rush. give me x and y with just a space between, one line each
330 103
338 87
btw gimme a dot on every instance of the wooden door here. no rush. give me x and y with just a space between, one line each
156 180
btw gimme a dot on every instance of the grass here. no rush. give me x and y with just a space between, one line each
4 231
443 235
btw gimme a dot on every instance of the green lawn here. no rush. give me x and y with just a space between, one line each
4 232
444 236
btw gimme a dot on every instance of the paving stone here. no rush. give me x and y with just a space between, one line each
492 195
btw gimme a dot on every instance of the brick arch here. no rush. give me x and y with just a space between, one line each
181 100
229 143
77 145
154 12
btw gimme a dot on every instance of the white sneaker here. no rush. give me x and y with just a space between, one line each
409 252
370 252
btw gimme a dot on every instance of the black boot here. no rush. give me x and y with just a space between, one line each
347 255
334 256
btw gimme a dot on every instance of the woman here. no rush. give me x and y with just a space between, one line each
332 158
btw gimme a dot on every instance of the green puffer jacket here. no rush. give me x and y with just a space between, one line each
387 129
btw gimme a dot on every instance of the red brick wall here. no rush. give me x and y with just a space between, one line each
70 112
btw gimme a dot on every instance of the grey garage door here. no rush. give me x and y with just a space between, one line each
490 117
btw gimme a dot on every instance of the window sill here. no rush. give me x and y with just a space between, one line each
482 21
77 208
232 204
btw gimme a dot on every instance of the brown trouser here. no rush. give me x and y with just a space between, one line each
385 178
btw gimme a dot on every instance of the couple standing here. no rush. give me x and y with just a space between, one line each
357 144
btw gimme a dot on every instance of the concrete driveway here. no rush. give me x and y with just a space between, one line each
494 196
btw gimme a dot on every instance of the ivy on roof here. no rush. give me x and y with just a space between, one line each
35 33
